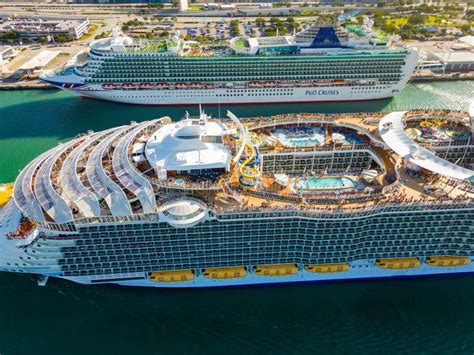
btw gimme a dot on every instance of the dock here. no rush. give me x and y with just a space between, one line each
25 85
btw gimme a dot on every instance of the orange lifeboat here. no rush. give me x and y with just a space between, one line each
338 82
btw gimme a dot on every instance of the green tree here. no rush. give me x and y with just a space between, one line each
202 39
416 19
389 28
234 26
466 28
408 31
43 39
274 20
282 30
260 22
294 26
270 32
62 38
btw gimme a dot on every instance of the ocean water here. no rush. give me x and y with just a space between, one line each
422 315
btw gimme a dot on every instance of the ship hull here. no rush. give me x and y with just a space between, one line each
361 270
235 96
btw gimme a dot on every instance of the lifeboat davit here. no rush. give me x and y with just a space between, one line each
162 85
145 86
196 85
255 84
285 83
321 82
129 86
304 83
108 86
181 85
269 84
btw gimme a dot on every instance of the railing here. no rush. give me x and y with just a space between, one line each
315 119
349 212
322 197
187 185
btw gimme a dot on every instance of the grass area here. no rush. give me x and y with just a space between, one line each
240 43
402 21
195 8
88 35
308 12
430 20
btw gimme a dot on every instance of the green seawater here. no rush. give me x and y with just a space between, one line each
422 315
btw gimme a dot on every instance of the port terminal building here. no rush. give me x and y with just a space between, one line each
34 28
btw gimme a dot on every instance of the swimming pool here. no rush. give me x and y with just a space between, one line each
442 134
323 183
349 136
305 136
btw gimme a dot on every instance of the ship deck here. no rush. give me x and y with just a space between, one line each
309 162
406 187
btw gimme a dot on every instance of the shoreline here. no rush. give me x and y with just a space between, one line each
21 85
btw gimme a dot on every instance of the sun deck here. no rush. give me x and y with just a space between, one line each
307 162
354 37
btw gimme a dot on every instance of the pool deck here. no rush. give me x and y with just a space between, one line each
404 188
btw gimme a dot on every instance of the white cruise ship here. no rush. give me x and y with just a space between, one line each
321 63
205 202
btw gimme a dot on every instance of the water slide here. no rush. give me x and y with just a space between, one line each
249 169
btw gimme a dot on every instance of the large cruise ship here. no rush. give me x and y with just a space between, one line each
211 202
321 63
